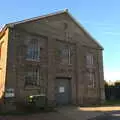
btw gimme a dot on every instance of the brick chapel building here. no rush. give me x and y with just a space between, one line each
53 55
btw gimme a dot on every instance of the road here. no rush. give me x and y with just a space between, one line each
108 116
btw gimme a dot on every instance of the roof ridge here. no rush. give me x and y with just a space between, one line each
38 17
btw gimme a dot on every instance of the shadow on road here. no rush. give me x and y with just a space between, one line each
73 113
112 115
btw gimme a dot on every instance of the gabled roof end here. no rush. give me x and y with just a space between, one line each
48 15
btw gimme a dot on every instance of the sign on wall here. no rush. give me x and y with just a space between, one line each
9 92
61 89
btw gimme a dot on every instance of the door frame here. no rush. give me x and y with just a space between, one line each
69 79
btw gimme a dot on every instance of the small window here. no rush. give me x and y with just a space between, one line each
89 59
65 54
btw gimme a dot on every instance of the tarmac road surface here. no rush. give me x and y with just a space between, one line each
115 115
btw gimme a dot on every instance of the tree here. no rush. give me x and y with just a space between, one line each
106 83
117 83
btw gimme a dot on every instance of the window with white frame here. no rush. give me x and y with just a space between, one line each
89 59
91 79
33 50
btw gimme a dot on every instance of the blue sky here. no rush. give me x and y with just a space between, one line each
100 17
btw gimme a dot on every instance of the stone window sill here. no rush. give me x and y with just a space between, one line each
33 60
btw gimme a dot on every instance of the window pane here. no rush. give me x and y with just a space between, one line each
91 80
65 55
34 77
89 59
33 51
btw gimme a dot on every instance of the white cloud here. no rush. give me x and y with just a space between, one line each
111 75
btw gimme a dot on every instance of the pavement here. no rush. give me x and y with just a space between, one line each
113 115
71 113
77 113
